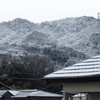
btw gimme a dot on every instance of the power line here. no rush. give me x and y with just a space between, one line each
16 72
15 78
5 85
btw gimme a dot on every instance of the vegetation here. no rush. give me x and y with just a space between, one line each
26 74
64 55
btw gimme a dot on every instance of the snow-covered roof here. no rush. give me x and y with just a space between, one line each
28 93
2 93
86 68
24 93
44 94
36 93
21 95
13 92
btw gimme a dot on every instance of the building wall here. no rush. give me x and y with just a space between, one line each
20 98
94 96
81 87
92 88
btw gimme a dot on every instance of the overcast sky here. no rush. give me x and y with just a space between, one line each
47 10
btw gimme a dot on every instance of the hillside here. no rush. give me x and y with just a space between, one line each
80 35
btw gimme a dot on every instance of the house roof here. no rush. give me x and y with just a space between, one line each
44 94
23 93
2 93
13 92
35 93
28 93
84 70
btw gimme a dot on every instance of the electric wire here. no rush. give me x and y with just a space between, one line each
31 79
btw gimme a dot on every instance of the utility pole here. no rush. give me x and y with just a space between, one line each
98 15
98 23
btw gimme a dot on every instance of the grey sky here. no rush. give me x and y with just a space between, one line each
47 10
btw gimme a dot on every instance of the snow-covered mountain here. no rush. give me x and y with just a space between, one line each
82 34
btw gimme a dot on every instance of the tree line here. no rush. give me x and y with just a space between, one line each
27 73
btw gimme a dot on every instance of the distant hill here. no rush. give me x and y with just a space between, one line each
67 39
